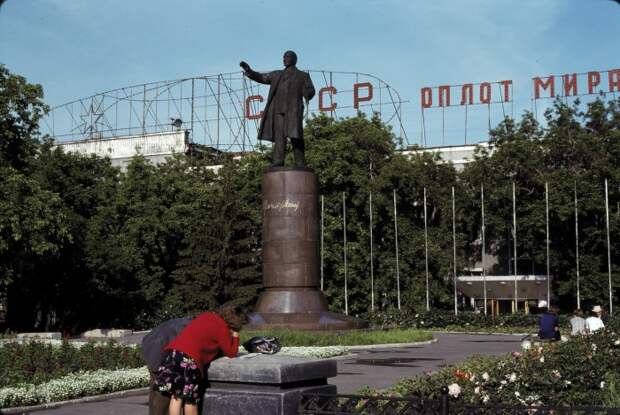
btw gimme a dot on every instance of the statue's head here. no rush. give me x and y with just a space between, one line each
289 58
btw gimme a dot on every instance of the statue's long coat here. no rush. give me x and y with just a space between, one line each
300 87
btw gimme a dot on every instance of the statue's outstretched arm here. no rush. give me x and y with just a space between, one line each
262 78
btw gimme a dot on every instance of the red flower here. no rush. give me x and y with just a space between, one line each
460 374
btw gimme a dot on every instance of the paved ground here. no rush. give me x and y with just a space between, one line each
378 368
381 368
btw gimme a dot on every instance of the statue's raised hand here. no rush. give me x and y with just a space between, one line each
244 65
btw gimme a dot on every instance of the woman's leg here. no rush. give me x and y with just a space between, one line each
175 407
189 409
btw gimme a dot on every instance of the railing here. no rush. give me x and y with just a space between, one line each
325 404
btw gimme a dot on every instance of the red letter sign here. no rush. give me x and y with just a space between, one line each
506 84
550 83
444 90
356 98
332 91
594 78
485 93
248 114
467 97
614 85
570 84
426 95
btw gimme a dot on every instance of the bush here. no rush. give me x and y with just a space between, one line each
581 371
36 362
442 319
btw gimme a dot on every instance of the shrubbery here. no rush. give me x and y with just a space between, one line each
38 362
469 321
581 371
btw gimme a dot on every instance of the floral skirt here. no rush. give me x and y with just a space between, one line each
179 376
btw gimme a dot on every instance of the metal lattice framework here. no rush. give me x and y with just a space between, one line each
213 108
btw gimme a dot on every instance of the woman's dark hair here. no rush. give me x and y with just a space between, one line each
233 315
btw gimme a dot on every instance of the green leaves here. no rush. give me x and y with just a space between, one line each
21 108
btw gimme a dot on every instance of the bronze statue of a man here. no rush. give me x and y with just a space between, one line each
284 112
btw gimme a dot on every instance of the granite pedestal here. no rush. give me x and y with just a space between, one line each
264 384
291 261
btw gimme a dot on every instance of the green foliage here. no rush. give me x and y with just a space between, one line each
290 338
578 150
464 321
221 259
37 362
21 108
357 156
582 371
83 244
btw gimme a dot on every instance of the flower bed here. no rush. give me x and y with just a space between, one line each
36 362
581 371
37 387
74 385
316 352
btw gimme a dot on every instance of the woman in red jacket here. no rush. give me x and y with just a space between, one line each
198 344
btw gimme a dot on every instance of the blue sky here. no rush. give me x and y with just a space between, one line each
75 48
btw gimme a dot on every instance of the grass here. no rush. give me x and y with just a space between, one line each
342 338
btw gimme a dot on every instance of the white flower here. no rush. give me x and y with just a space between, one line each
542 359
486 376
503 382
517 394
593 347
557 374
617 342
526 345
567 382
74 385
317 352
454 390
477 390
602 385
485 399
472 378
513 377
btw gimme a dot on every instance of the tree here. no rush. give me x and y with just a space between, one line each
21 108
32 228
576 151
221 259
342 152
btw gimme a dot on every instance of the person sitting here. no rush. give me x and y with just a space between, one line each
549 326
594 322
600 313
200 342
577 323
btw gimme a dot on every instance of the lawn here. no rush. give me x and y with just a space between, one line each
291 338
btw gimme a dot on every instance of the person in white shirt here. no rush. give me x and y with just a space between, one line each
594 323
578 324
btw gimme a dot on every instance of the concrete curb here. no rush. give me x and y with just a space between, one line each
95 398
